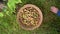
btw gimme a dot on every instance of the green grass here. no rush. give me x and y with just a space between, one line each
50 24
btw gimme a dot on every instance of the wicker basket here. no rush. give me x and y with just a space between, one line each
40 15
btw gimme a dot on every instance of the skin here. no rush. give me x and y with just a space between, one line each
54 9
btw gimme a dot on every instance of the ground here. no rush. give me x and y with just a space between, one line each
50 24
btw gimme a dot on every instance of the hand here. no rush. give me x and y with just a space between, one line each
54 9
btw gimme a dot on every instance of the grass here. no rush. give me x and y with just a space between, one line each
50 24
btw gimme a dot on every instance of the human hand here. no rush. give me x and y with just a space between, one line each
54 9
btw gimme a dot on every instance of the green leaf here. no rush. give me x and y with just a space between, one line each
12 5
1 15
